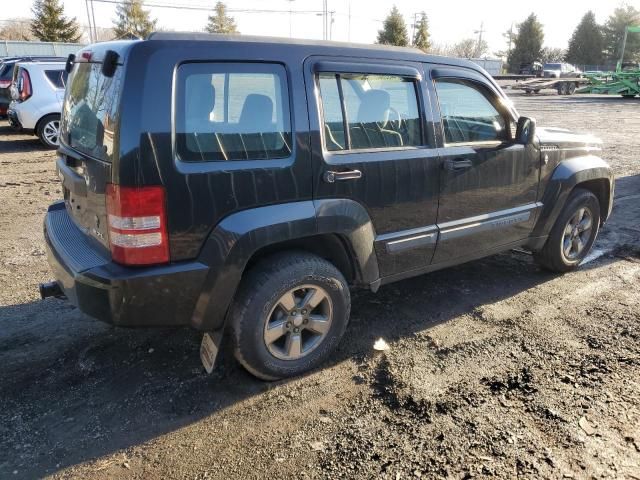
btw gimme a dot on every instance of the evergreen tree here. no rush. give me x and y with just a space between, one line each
132 20
50 25
220 22
613 32
586 44
421 38
394 30
527 43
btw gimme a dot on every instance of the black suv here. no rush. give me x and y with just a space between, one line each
248 183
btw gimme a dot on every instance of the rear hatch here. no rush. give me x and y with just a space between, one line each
88 143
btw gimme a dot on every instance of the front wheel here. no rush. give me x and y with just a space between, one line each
573 234
289 314
49 130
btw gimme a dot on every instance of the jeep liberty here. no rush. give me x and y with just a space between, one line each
246 184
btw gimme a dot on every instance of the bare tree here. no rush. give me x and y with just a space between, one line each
16 29
470 48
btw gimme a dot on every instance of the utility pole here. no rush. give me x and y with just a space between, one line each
349 29
290 16
331 20
479 32
91 39
413 27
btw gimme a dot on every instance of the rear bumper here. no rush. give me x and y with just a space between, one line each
14 121
133 297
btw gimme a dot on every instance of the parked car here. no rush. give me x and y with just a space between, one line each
6 74
38 92
532 68
559 70
249 183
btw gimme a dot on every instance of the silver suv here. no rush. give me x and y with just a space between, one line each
37 90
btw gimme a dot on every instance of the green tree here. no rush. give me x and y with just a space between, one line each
50 25
220 22
394 30
586 44
613 32
527 45
132 20
421 38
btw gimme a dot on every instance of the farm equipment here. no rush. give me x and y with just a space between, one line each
624 81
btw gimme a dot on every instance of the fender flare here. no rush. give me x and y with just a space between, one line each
566 176
239 236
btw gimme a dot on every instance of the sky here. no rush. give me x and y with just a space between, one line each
450 21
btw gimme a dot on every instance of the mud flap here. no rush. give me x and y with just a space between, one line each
209 348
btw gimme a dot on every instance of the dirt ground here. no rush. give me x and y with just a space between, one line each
496 368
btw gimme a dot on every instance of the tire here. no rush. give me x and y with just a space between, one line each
571 88
48 130
562 88
553 256
259 306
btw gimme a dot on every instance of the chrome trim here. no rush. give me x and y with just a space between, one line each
489 221
396 242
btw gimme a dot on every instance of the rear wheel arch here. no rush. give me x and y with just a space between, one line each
332 247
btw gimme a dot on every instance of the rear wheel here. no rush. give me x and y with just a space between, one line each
289 314
48 130
571 88
573 234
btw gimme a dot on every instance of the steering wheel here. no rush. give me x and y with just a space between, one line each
396 124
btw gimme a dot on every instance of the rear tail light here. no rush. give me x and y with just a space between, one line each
137 225
24 85
5 83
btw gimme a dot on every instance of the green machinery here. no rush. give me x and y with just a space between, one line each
624 81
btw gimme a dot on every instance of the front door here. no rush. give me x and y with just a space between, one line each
489 183
371 145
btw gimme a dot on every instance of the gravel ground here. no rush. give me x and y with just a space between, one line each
496 368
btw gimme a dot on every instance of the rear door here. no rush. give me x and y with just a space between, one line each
372 144
488 182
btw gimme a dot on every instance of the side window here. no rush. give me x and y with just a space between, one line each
468 115
57 77
381 111
232 112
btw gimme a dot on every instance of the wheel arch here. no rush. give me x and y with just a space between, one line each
338 230
39 122
589 172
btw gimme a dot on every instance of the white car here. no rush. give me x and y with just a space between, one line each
38 92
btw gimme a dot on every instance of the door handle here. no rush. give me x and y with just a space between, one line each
457 164
332 177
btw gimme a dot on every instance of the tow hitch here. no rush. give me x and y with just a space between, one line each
50 289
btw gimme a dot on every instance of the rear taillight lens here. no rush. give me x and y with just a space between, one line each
5 83
137 225
24 85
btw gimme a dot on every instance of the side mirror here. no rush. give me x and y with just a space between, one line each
525 131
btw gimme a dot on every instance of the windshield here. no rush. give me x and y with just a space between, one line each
90 112
552 66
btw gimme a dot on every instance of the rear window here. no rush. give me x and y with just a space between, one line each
227 111
58 78
90 112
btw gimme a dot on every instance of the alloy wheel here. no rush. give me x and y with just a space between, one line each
51 132
298 323
576 234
